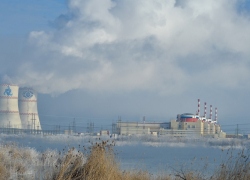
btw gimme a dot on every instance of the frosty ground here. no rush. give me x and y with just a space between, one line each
154 154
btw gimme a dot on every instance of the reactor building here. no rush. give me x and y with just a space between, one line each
18 108
195 124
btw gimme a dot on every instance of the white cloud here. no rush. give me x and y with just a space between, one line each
153 45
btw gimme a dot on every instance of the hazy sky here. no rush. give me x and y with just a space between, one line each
100 59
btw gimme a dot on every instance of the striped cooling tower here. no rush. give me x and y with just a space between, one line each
9 113
27 102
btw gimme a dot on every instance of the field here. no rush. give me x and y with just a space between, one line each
69 157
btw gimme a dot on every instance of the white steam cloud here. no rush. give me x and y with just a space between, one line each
126 45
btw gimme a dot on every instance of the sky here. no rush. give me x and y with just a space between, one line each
97 60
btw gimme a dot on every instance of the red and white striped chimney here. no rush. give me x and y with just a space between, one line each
216 114
205 110
198 107
211 112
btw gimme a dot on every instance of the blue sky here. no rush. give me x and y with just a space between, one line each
19 18
101 59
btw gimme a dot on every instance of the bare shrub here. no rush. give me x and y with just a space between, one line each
233 168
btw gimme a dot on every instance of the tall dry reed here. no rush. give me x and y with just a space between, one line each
99 163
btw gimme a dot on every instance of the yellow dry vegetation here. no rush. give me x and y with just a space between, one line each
99 163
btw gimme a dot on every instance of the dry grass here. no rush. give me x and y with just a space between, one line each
3 172
234 168
99 163
11 162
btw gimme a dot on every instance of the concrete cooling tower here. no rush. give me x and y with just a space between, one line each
9 113
27 101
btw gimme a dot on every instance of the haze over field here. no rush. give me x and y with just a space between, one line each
97 60
156 155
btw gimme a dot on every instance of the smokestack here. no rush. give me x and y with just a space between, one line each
211 112
198 107
216 114
205 110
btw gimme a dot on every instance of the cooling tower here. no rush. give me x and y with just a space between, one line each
9 113
27 102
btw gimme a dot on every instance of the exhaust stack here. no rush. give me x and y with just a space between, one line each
211 112
215 114
205 111
198 107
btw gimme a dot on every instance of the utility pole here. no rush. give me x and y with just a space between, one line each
127 128
88 128
9 127
69 130
33 119
237 131
144 124
28 127
74 125
34 123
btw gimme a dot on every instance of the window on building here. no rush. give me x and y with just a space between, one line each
193 126
188 126
179 126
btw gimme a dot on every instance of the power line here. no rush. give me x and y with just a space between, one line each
71 117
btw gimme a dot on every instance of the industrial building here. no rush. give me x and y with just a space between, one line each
129 128
18 108
186 124
198 128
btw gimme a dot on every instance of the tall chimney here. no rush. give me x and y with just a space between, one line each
216 114
205 110
211 112
198 107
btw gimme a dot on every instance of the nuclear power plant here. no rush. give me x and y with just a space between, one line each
18 108
186 124
19 114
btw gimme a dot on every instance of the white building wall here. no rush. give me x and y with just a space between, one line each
27 102
207 128
9 112
134 130
212 128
